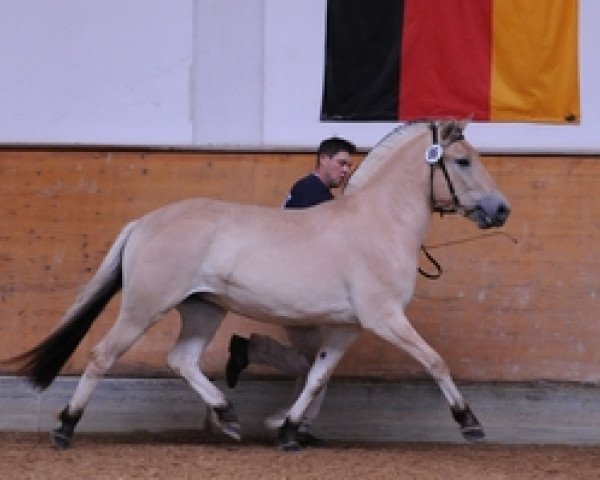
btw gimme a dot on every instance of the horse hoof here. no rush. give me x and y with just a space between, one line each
469 425
290 446
287 438
61 437
232 430
473 434
226 419
61 440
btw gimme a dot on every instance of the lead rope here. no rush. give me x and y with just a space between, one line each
435 263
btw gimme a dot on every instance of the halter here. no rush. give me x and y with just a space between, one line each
434 155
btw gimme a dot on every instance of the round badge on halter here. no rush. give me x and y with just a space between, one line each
434 153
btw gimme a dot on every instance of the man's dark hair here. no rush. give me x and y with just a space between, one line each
331 146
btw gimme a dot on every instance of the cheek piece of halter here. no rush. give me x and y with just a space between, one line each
434 156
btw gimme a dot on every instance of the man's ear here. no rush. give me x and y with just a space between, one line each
320 158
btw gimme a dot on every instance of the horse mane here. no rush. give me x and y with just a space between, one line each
381 153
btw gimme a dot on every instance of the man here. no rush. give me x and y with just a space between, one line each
333 166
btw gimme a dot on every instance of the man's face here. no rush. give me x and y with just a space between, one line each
334 170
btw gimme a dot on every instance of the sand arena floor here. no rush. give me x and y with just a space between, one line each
145 456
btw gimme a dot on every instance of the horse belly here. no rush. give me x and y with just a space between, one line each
287 302
278 277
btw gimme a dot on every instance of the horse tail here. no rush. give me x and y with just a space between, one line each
42 364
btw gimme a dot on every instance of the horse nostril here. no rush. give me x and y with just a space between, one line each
503 210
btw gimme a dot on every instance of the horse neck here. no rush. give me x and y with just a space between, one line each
399 191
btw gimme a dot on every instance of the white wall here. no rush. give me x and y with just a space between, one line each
208 73
82 71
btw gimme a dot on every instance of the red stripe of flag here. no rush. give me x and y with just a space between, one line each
440 37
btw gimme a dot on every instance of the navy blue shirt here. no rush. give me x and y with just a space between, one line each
308 192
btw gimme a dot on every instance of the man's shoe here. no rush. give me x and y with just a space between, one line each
305 439
238 359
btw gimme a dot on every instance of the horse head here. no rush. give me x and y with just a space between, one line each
459 181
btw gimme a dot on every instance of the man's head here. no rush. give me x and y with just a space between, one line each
334 161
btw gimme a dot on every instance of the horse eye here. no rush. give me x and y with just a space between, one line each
463 162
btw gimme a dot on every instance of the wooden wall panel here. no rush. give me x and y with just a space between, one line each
501 311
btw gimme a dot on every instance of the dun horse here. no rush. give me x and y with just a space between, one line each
345 265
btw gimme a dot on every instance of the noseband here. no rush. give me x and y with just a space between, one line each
435 157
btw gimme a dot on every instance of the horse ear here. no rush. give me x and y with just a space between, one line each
452 131
461 126
464 122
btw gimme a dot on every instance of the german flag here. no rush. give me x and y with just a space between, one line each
489 60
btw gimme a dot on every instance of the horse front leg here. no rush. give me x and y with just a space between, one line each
336 341
398 331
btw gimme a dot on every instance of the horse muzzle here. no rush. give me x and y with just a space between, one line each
491 211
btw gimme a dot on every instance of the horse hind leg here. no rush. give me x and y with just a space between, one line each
199 322
116 342
335 342
402 334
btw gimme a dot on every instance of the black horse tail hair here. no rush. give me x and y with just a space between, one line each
42 364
